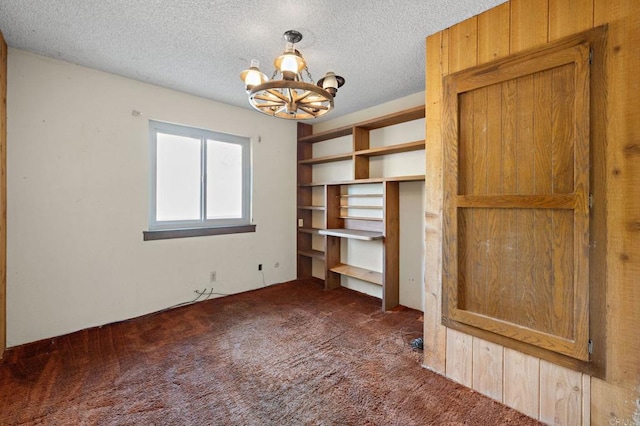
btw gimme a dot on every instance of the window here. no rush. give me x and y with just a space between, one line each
199 179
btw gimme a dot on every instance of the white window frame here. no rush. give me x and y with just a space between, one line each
156 127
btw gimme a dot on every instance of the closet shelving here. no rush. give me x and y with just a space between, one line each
372 215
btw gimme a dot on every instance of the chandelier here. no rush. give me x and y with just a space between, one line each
290 97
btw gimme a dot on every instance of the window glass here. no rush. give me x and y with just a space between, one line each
224 180
177 178
199 178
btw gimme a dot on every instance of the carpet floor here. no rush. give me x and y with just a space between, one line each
288 354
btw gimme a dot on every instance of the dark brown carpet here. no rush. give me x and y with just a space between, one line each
290 354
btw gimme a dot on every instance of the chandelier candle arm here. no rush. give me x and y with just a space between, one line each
290 97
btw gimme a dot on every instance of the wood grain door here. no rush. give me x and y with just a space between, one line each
516 179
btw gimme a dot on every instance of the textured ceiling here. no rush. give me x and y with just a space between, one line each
200 46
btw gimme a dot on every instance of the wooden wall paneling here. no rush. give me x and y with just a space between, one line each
525 217
617 399
493 34
569 17
508 218
493 43
479 256
435 335
459 357
543 267
560 395
563 183
467 275
521 382
463 45
494 217
3 195
529 24
487 371
462 54
586 400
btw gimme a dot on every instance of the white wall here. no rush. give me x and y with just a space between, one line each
412 197
78 193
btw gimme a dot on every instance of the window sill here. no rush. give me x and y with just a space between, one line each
167 234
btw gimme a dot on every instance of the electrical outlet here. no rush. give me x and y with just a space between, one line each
260 267
212 276
300 223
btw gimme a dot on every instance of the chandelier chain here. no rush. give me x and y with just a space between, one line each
309 75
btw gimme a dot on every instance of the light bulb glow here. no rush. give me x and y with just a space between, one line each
253 76
289 64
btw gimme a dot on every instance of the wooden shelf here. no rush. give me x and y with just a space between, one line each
376 123
315 231
392 149
327 159
320 208
359 273
342 215
362 207
413 178
377 219
355 234
361 195
316 254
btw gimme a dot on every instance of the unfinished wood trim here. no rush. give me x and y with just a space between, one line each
435 334
3 195
572 50
616 399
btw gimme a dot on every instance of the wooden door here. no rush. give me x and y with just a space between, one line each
516 222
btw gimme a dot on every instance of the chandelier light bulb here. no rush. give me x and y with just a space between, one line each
253 77
330 81
289 62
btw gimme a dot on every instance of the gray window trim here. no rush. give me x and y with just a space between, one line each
240 224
